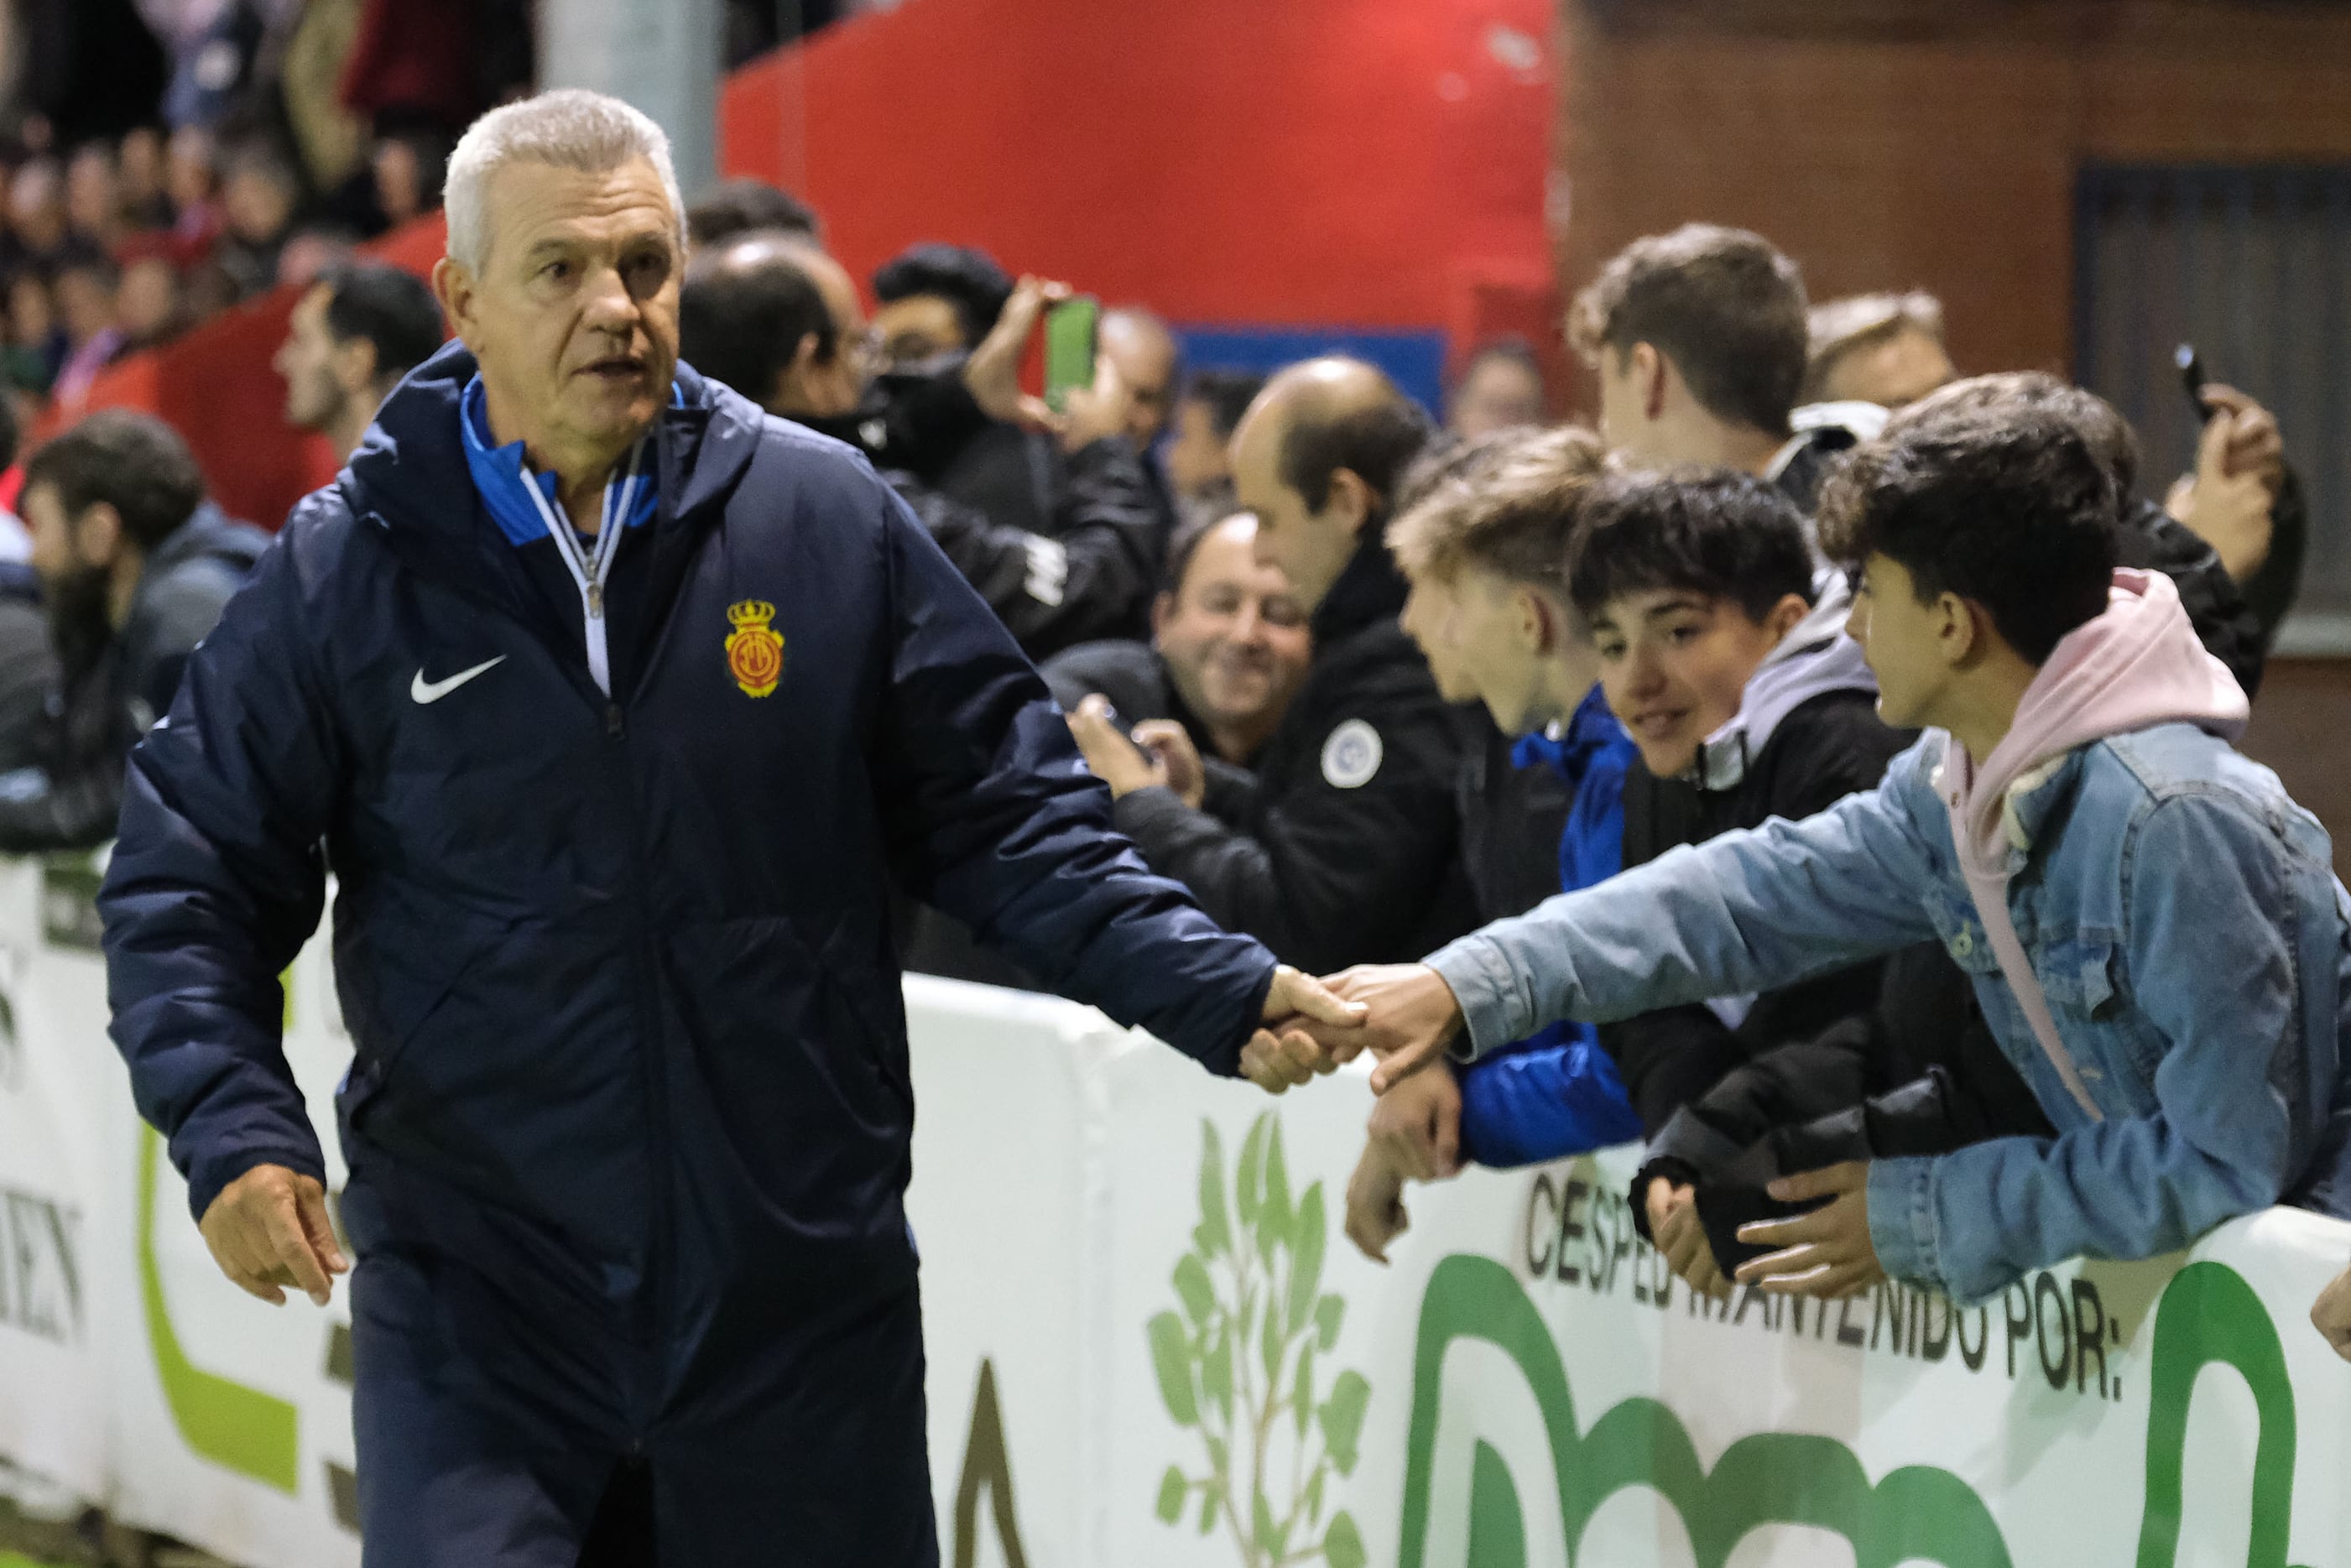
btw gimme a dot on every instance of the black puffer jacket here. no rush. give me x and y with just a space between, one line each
1349 854
28 668
112 693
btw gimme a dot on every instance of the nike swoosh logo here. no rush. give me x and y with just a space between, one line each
425 691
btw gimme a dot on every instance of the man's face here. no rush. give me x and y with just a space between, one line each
1894 371
1145 357
1310 548
1198 457
73 586
916 328
1501 646
574 317
305 361
1899 636
1499 393
1234 637
1674 664
835 388
1432 618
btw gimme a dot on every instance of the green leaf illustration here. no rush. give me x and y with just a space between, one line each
1342 1544
1218 1460
1171 1358
1275 1219
1193 1288
1314 1493
1342 1419
1247 1191
1210 1497
1216 1235
1303 1396
1329 1313
1171 1491
1306 1240
1271 1539
1217 1374
1271 1342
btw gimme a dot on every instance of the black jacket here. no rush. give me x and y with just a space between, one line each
1348 854
112 693
1511 820
1829 743
28 668
2225 623
617 971
1134 678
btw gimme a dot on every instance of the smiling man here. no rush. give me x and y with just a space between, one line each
617 706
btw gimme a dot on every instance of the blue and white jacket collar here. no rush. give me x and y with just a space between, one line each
499 474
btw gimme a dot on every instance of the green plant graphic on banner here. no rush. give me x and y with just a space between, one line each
1239 1365
235 1427
2208 1314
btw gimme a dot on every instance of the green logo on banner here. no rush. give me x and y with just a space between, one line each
1239 1364
2207 1315
240 1428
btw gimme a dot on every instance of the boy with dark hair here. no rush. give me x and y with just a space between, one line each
936 299
742 206
2151 927
1698 339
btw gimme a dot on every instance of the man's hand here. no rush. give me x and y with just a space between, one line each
1416 1126
1375 1213
1090 414
268 1229
2239 467
1285 1055
2330 1315
992 371
1170 744
1674 1226
1412 1018
1825 1253
1114 760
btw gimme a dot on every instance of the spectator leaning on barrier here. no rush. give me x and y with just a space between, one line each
628 1122
135 568
1697 336
1485 545
779 320
1349 848
351 337
2151 925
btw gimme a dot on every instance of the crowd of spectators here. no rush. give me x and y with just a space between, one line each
1363 684
164 160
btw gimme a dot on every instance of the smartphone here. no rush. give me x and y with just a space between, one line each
1071 329
2192 377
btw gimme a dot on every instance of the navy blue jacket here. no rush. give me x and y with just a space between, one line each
618 967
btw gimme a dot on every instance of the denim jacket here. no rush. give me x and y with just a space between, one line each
2183 919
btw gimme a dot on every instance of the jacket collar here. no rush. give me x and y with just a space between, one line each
1368 588
1812 660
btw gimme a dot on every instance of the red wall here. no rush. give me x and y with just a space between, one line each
1334 163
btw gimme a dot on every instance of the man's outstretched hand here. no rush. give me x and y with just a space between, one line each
1286 1054
268 1230
1409 1018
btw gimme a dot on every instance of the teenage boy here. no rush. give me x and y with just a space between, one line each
1484 546
1745 701
2151 925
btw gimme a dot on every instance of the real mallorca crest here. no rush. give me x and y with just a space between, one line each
755 653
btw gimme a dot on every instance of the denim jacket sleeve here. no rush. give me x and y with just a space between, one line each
2210 894
1748 911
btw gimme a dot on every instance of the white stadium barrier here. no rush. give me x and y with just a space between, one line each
1150 1344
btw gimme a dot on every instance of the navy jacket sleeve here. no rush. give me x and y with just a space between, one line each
216 884
994 818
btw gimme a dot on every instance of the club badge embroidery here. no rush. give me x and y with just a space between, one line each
755 653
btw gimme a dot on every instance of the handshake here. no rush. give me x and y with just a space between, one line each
1403 1013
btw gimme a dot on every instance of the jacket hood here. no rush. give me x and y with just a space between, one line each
208 534
1812 660
410 469
2138 664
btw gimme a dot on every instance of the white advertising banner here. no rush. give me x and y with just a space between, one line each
1150 1344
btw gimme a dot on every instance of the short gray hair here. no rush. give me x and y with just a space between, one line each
570 127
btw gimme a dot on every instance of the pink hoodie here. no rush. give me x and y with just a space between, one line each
2136 665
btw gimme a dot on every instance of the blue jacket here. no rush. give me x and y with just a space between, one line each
1558 1093
2181 913
619 971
